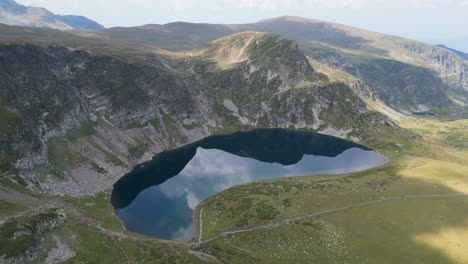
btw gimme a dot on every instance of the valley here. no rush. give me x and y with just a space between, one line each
158 198
332 213
80 110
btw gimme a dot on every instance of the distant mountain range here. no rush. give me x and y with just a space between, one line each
12 13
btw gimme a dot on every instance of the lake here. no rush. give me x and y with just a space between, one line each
158 198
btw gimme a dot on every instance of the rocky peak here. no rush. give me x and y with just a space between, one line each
256 51
445 62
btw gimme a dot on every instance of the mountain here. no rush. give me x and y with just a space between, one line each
12 13
459 53
80 109
81 113
93 104
427 77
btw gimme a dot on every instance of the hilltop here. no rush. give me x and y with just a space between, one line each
12 13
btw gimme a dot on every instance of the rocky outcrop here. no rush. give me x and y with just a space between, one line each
30 231
77 121
451 67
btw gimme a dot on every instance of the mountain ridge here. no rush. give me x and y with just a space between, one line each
81 109
354 49
129 87
459 53
12 13
78 104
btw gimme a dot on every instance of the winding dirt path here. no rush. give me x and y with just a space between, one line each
205 257
123 252
85 219
200 232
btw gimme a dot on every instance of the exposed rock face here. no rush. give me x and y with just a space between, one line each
47 91
404 74
401 85
75 122
451 67
31 231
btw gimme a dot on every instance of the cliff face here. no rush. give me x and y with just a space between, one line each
451 67
74 122
407 75
49 91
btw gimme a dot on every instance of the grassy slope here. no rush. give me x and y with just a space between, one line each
405 230
363 51
428 230
91 231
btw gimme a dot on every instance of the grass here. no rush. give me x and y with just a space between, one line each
46 170
89 244
191 126
99 208
449 133
448 240
138 151
392 237
422 230
8 207
153 122
93 246
171 128
429 230
86 130
157 252
62 157
135 125
110 157
304 195
11 246
398 232
7 119
21 235
333 73
395 232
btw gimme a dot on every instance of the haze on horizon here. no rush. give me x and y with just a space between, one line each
431 21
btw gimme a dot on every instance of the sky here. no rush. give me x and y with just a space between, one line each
432 21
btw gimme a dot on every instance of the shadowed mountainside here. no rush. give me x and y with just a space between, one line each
349 51
76 120
103 101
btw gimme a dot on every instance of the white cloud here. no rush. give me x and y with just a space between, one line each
263 4
299 4
252 4
156 6
121 4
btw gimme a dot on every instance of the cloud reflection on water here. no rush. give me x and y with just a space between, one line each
211 171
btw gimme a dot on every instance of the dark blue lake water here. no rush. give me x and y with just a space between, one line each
158 198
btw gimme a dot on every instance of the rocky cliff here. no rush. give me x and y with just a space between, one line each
406 75
74 121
